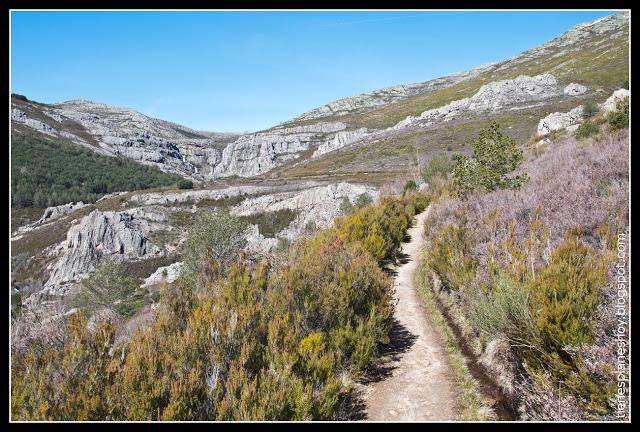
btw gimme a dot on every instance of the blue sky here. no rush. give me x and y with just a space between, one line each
246 71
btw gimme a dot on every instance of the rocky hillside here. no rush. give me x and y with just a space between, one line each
384 131
295 177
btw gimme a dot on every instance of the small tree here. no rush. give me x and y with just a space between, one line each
363 200
345 205
107 288
495 156
214 241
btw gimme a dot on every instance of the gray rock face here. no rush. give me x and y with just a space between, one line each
171 147
21 117
320 205
97 235
258 153
556 121
340 140
166 274
610 104
52 213
255 154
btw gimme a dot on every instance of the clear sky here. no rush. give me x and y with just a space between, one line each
245 71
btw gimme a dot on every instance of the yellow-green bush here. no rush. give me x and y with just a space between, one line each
564 294
450 257
252 342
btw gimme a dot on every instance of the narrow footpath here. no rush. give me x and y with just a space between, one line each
415 382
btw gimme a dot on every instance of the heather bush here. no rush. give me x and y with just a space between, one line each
534 264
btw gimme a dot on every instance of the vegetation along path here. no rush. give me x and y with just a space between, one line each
414 381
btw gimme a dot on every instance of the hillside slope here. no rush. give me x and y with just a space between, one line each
368 136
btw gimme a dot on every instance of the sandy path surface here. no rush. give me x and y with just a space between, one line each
414 382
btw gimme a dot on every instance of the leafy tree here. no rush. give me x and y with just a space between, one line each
107 288
214 241
345 205
495 156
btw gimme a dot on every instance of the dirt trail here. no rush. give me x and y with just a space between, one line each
414 381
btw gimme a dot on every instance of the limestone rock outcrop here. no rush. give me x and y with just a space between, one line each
558 120
97 235
340 140
610 104
492 97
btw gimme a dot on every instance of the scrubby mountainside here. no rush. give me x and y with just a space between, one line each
386 130
195 275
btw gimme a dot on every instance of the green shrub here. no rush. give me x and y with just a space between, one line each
495 156
410 185
253 342
586 129
283 244
564 294
450 257
185 184
619 118
505 310
271 223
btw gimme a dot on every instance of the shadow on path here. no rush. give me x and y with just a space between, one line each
353 406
